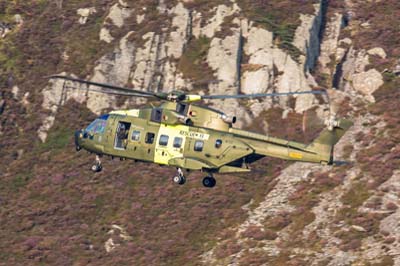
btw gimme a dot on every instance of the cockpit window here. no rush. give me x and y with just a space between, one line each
104 117
156 115
181 108
98 125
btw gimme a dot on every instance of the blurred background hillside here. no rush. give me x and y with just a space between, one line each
55 211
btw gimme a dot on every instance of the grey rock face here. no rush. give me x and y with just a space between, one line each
5 28
152 65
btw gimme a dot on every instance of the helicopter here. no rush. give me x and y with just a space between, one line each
189 136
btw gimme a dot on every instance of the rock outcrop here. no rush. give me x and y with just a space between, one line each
258 74
5 28
116 17
368 82
344 64
377 51
213 25
55 95
84 14
307 35
352 74
178 38
156 62
222 58
113 68
330 43
152 65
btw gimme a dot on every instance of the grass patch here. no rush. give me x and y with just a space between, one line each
283 34
385 261
356 196
205 5
305 198
57 139
352 200
193 63
20 181
9 55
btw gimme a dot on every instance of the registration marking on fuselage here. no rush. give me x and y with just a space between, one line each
194 135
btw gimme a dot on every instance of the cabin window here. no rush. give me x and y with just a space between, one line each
149 138
177 142
218 143
136 135
198 145
163 140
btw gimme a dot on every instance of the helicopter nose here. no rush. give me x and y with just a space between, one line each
78 135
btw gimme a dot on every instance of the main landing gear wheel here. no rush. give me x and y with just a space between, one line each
97 167
179 179
209 181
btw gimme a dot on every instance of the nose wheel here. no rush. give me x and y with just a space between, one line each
209 181
179 179
97 167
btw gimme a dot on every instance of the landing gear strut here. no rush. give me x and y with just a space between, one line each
209 181
97 167
179 179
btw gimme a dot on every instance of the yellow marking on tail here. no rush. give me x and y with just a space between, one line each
295 155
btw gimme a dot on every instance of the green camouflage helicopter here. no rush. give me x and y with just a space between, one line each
192 137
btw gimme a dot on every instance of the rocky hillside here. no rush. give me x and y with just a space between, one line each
55 211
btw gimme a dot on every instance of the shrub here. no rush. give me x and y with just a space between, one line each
227 248
258 233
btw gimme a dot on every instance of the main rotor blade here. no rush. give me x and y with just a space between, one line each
260 95
123 91
116 93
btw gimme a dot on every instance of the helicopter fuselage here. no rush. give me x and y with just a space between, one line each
175 135
193 137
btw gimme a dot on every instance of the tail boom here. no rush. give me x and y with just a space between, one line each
319 151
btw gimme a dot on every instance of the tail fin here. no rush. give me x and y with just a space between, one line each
324 143
331 137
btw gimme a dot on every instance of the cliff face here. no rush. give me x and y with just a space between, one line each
241 56
55 211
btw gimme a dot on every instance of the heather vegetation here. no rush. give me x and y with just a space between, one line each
381 29
193 63
62 209
205 6
57 207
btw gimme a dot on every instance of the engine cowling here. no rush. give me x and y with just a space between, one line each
171 117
